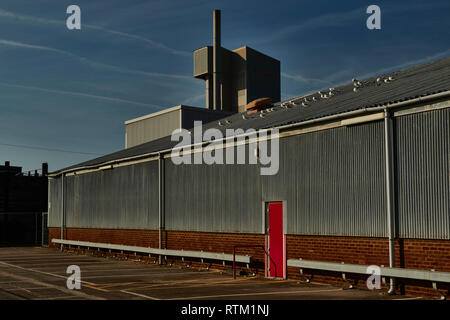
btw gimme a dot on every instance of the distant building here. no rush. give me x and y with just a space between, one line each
23 205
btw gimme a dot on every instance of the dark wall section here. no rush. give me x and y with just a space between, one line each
23 193
23 199
21 228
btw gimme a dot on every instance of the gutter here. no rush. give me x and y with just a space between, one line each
282 127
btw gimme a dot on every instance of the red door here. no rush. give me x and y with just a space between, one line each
276 239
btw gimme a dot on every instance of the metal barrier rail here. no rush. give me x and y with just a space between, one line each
243 246
433 276
163 252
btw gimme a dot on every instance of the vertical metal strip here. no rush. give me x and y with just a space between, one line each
389 192
160 200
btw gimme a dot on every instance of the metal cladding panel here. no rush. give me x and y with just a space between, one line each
121 198
203 61
422 147
213 198
152 128
333 181
54 203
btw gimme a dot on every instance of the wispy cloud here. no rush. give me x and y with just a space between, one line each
325 20
47 149
94 64
152 43
195 99
341 19
407 64
302 79
84 95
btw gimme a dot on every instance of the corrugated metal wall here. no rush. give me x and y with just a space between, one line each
333 181
422 143
152 128
214 198
54 202
125 198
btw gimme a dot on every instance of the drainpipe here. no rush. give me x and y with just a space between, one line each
160 200
389 192
217 62
62 209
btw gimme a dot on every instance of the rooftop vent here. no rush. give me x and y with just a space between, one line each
258 105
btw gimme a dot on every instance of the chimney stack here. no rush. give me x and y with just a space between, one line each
217 62
44 169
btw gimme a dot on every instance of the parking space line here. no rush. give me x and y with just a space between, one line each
85 283
40 283
117 284
42 272
253 294
202 284
168 283
139 295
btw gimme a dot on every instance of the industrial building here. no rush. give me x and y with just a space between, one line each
363 179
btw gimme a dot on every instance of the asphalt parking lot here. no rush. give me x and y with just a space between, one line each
39 273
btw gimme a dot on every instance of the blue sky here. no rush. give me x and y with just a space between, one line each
72 90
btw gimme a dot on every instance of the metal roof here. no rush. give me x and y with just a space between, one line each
398 86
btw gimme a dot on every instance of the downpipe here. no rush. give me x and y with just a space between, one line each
62 210
160 201
389 193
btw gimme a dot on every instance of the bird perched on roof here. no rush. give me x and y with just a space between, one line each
356 82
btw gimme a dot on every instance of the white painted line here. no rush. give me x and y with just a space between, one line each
139 295
140 275
61 289
254 294
57 298
413 298
42 272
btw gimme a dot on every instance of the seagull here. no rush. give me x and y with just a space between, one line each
356 82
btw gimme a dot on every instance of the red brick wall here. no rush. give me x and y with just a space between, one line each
409 253
143 238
